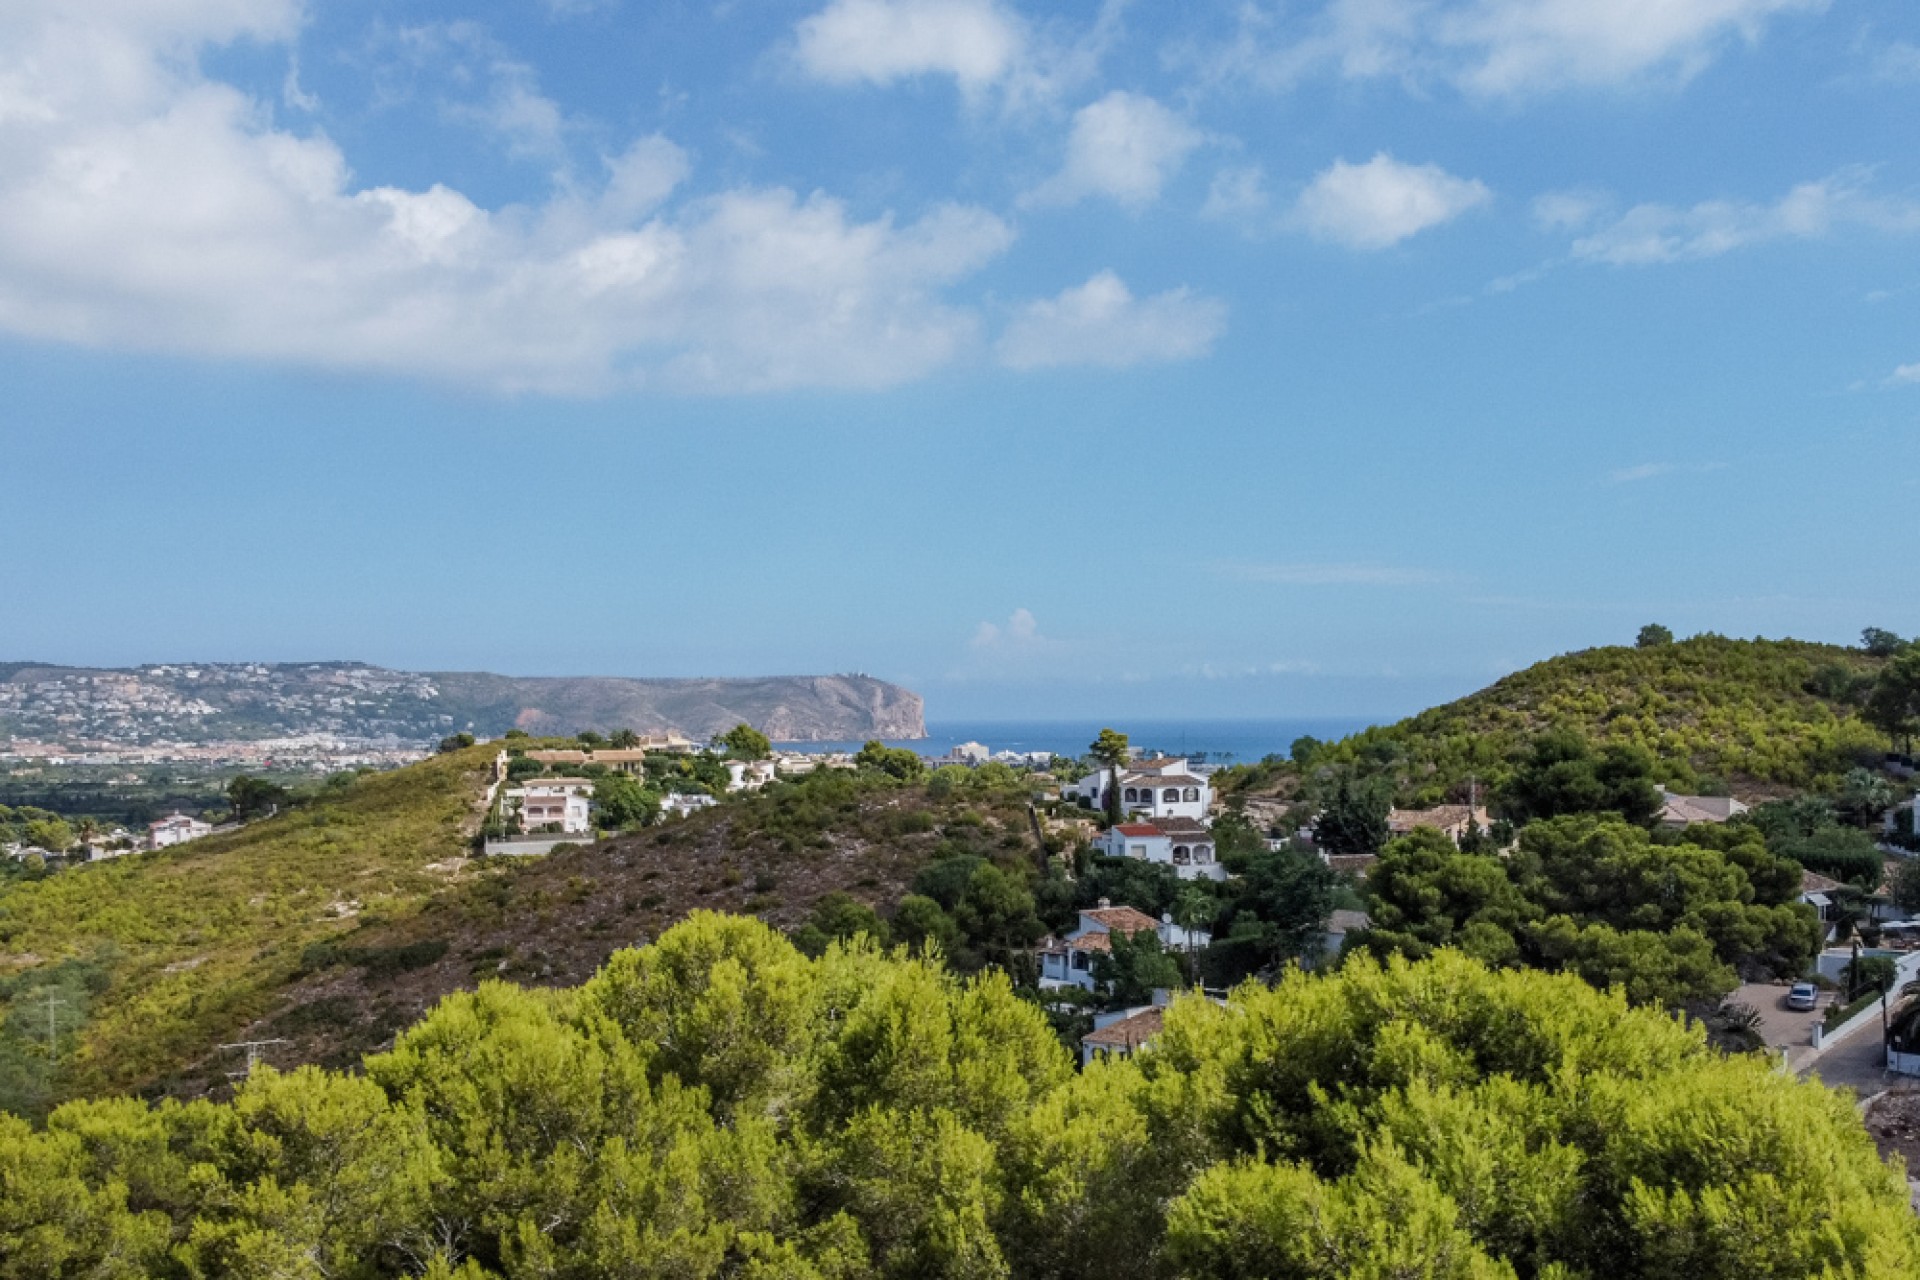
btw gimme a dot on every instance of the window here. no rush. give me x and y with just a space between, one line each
1182 856
1132 794
1080 960
1138 851
1171 795
1193 793
1203 853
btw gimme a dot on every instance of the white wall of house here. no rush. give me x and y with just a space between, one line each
177 829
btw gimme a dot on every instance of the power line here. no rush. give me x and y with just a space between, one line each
256 1049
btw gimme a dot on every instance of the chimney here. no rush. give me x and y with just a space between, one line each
1105 903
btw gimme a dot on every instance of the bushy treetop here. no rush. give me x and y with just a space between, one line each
717 1104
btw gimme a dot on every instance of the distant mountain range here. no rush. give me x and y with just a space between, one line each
205 702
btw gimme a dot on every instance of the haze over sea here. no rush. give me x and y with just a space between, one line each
1219 741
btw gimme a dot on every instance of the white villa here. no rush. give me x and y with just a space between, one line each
1180 843
554 802
749 775
683 804
1162 788
175 829
1068 961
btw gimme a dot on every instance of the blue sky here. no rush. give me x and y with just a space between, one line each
1208 359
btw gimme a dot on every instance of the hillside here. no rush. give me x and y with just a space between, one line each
331 927
553 922
1755 715
183 702
154 957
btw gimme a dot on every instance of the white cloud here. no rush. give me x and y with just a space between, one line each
1897 60
1569 210
1020 631
1327 575
145 206
1654 470
1656 233
1102 323
1382 202
1498 47
1907 373
882 41
1237 194
1124 147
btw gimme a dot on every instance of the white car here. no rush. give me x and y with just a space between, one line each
1803 995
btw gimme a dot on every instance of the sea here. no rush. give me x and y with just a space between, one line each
1214 741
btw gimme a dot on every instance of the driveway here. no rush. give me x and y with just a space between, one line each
1781 1027
1858 1062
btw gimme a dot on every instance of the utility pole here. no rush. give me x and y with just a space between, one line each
255 1050
53 1032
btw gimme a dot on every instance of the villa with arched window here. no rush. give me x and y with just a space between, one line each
1153 789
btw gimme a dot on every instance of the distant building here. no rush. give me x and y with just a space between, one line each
548 803
1450 820
685 804
1339 924
1068 961
1120 1035
1160 788
1123 1034
1684 811
619 759
1818 891
176 829
1180 843
749 775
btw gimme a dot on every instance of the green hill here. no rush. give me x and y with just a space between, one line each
333 926
1754 715
151 959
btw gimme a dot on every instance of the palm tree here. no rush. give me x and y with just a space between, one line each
1192 908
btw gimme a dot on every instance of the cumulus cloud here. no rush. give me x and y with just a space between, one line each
1380 203
882 41
1907 373
1569 210
144 205
1497 47
1021 630
1124 147
1657 233
1102 323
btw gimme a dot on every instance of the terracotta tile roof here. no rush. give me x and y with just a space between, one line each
1085 942
1121 919
1352 864
1184 827
1158 762
1127 1033
1344 921
1810 882
1138 829
1442 816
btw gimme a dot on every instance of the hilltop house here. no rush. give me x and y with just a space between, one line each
1684 811
554 803
683 804
1180 843
749 775
1451 820
1068 961
175 829
1161 788
619 759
